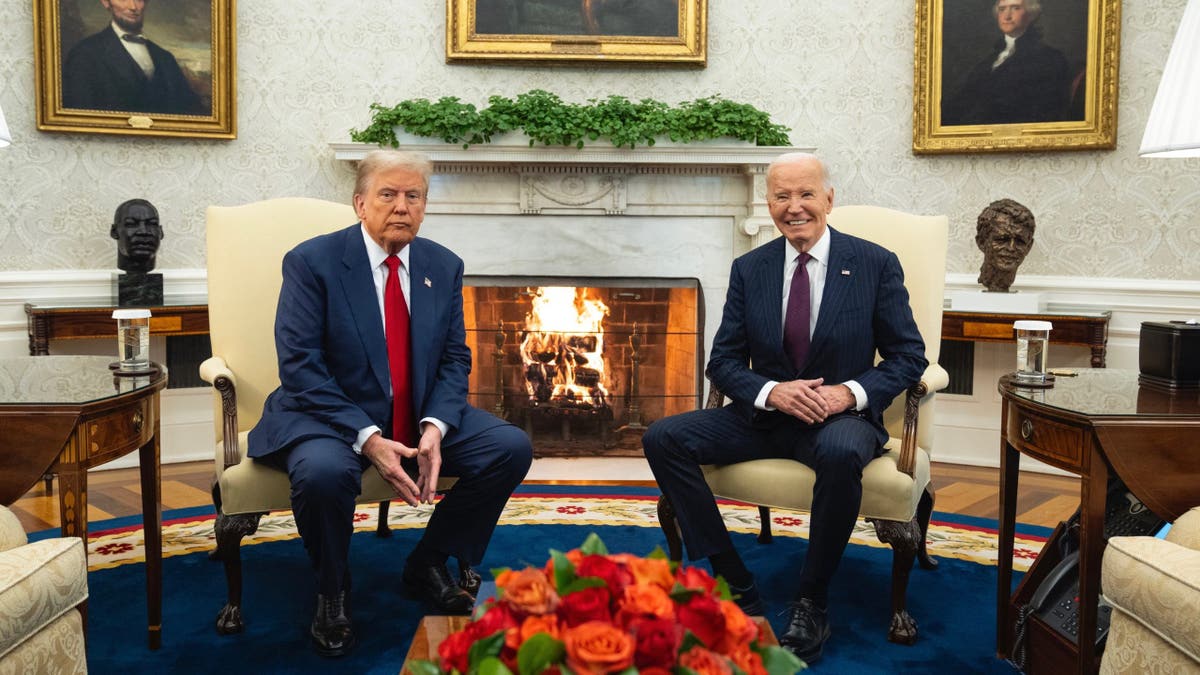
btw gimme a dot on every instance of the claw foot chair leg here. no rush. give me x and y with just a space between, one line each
924 512
230 530
902 537
670 528
381 528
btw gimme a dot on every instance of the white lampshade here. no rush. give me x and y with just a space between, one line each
5 137
1174 126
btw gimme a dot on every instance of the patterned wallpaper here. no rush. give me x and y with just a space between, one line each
839 72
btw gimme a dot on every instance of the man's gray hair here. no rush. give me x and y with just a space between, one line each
798 158
1034 7
378 161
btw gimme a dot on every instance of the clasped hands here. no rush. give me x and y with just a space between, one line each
386 454
810 401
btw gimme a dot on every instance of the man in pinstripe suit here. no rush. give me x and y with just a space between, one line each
804 317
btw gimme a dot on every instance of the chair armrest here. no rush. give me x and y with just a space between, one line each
935 378
1158 583
215 371
12 534
1185 531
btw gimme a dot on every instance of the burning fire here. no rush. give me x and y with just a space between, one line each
563 347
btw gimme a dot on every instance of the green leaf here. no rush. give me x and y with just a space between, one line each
779 661
564 570
538 652
723 589
658 553
485 647
582 583
593 545
689 640
492 666
681 594
424 667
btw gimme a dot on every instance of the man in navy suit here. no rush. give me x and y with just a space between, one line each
333 414
803 319
119 69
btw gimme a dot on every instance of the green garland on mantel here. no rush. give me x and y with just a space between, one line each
548 120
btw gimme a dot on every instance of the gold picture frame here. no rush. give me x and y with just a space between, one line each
962 103
651 31
89 80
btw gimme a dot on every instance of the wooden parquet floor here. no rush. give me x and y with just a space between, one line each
966 490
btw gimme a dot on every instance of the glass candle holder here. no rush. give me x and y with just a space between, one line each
1033 338
133 340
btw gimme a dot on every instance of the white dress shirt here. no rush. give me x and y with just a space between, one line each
379 271
817 268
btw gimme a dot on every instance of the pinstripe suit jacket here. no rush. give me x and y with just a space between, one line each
864 309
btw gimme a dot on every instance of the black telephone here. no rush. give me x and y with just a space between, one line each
1056 600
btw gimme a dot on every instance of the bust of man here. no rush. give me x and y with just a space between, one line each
1004 232
136 229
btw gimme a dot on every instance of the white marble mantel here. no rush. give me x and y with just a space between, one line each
708 178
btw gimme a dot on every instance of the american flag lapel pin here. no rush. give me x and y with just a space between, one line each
845 273
428 283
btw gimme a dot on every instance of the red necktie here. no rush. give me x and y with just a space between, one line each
795 323
395 318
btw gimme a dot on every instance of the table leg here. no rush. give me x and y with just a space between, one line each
1010 463
148 459
1092 498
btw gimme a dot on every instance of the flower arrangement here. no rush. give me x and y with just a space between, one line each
590 612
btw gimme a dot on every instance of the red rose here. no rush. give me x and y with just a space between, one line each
454 649
614 575
703 616
657 643
695 578
590 604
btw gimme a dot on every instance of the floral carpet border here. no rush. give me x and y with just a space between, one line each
112 548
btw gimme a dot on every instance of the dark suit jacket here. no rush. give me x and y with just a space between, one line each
329 336
861 312
1032 85
99 74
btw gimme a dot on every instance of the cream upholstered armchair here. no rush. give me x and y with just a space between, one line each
246 245
1153 586
42 585
897 497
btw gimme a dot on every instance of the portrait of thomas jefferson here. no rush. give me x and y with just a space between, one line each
1013 61
137 56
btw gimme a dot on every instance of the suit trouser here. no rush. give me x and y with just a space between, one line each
326 478
837 451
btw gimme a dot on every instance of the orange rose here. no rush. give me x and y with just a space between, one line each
740 630
527 591
655 571
598 647
535 624
645 600
705 662
748 660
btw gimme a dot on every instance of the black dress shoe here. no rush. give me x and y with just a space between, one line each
748 599
469 580
807 630
331 630
434 584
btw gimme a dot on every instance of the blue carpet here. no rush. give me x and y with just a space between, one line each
953 605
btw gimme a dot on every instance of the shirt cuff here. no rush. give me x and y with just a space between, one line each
363 435
761 401
442 426
860 394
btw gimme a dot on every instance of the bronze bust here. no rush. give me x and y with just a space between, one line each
1004 232
136 229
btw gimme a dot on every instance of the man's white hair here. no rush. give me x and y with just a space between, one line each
797 158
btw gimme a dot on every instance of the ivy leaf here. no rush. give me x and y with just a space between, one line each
539 651
593 545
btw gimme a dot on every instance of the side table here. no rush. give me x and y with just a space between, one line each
1084 329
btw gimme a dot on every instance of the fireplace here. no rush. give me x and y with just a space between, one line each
584 364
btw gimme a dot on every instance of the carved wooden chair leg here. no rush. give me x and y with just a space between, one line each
902 537
670 528
764 525
382 530
924 512
229 531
